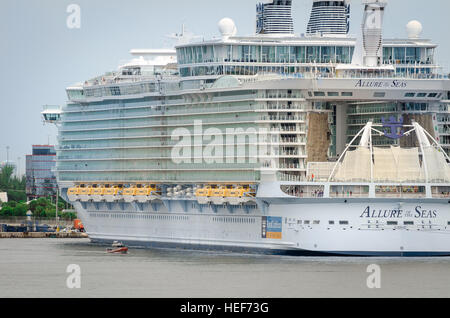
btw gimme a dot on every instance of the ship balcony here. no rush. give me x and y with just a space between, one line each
356 191
282 119
284 107
290 130
291 167
281 95
292 140
441 192
285 177
292 153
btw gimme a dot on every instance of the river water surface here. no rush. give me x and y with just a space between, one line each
37 268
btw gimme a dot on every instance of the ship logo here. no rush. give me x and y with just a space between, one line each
272 227
392 127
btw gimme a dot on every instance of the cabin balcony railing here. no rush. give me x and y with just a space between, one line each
283 118
290 178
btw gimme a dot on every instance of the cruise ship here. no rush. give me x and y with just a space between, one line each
315 144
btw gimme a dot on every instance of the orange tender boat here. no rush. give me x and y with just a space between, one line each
117 248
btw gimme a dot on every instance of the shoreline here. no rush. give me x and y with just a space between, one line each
28 235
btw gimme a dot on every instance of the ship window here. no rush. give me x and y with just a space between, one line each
392 223
307 222
319 94
343 222
379 94
333 94
347 94
316 222
331 222
408 223
410 94
421 94
300 222
432 95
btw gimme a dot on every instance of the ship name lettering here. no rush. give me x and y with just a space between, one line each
398 84
425 214
381 84
398 213
379 214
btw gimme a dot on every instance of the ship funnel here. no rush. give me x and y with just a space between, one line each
372 30
329 18
274 17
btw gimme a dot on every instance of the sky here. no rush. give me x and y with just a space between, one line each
41 56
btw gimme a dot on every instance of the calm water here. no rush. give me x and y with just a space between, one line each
37 268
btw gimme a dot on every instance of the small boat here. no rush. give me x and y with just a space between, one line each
117 248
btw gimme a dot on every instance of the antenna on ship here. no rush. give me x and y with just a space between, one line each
184 37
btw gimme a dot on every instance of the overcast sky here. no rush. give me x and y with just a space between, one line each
41 56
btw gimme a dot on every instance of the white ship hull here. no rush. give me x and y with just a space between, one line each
301 226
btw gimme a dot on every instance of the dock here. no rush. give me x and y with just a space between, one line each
60 235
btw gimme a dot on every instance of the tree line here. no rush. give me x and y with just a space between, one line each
17 204
15 187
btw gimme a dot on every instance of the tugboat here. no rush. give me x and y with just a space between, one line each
117 248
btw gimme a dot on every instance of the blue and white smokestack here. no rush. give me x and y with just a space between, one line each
329 18
274 17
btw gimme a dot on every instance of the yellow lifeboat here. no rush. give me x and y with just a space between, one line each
85 193
98 193
73 193
111 194
203 194
241 194
218 195
234 195
147 193
129 194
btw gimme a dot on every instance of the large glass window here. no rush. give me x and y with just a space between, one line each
430 56
300 54
313 54
328 54
388 55
282 55
268 54
344 54
399 55
255 53
411 55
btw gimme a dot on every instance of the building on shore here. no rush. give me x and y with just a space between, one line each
3 197
41 179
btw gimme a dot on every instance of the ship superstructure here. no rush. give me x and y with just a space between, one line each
247 142
329 18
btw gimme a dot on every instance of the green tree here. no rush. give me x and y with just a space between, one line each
17 196
5 176
13 186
